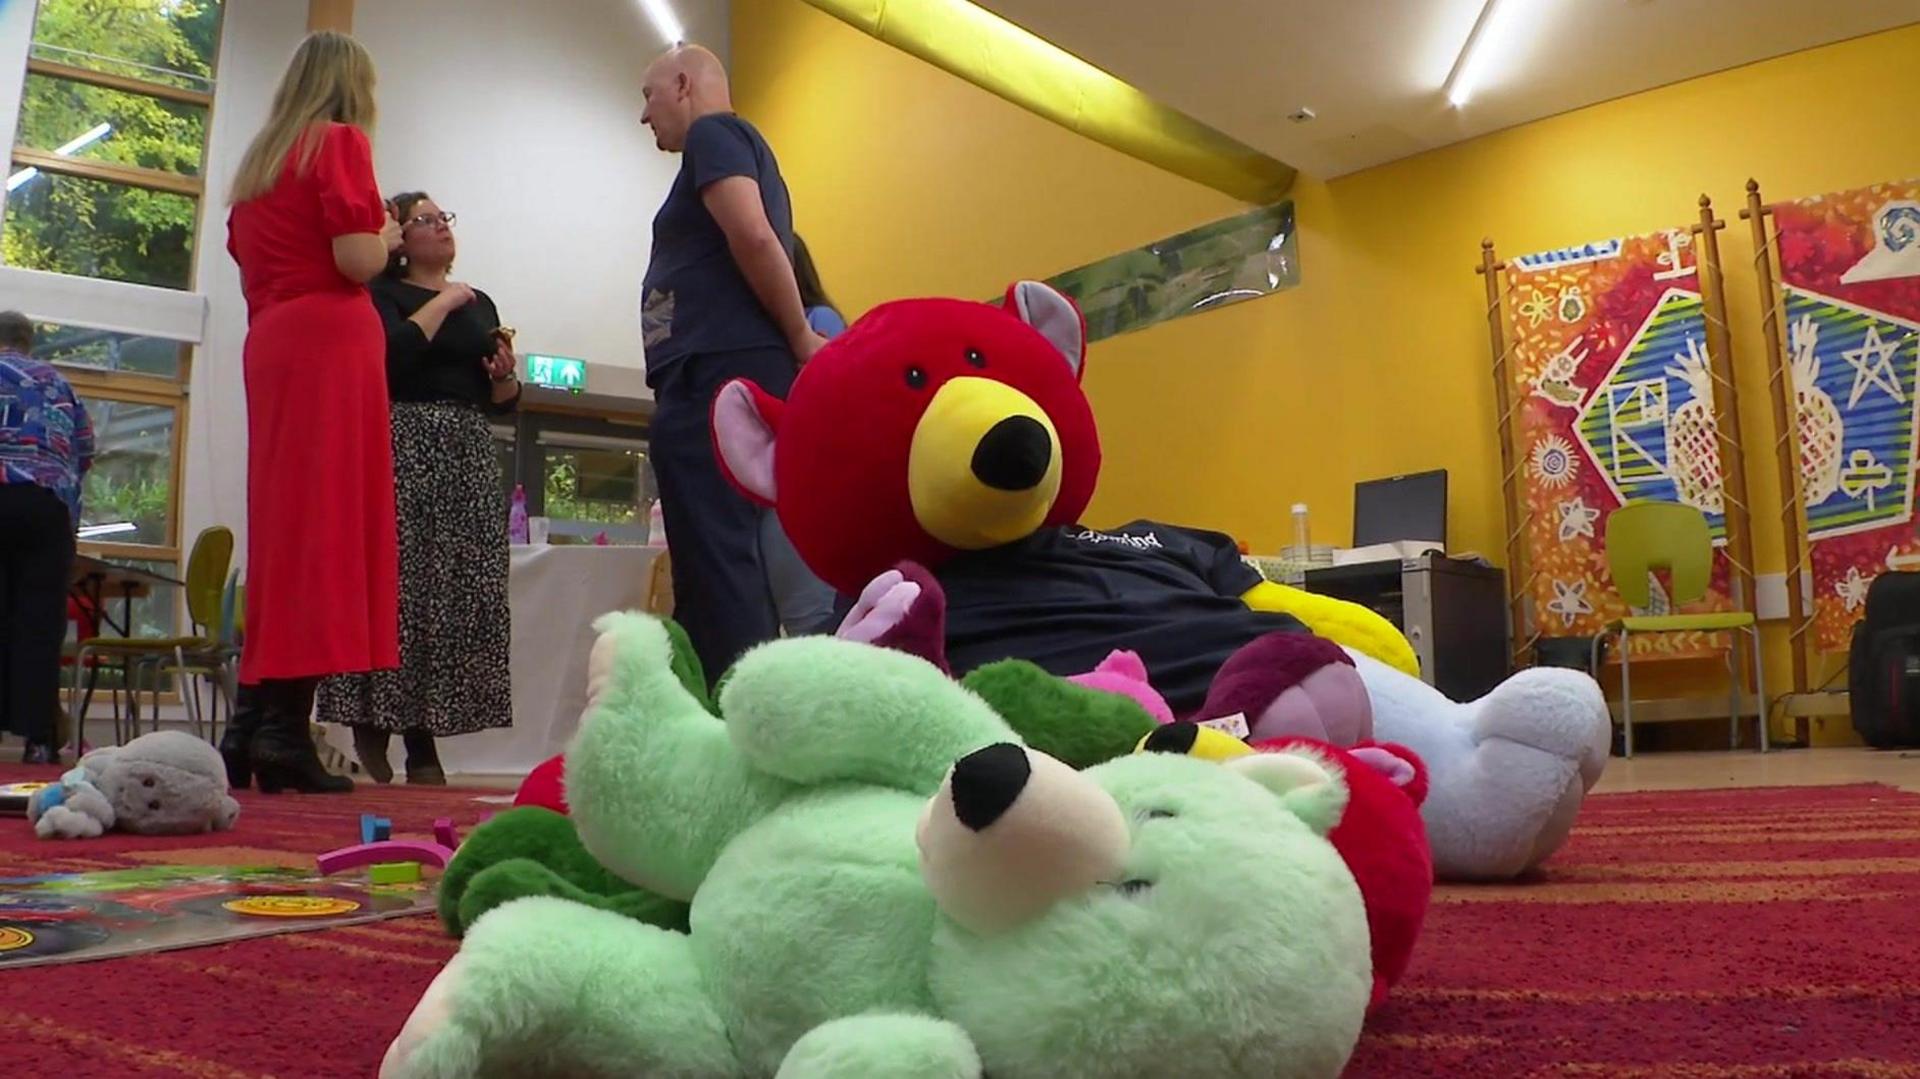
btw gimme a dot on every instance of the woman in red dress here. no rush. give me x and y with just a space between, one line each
308 229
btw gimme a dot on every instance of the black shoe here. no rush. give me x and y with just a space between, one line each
423 760
238 736
370 745
42 753
282 749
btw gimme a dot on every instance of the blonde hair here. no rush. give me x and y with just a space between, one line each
329 81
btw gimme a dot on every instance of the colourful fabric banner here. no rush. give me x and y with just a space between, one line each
1613 403
1850 289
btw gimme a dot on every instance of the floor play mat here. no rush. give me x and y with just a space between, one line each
75 917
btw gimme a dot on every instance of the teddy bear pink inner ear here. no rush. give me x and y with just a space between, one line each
1058 320
1125 664
1386 762
744 418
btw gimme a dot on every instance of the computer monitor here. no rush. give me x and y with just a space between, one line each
1401 508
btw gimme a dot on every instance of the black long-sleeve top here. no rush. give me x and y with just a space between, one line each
451 365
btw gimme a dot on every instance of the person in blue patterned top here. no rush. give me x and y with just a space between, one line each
46 447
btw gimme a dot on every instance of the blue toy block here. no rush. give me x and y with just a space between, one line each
375 829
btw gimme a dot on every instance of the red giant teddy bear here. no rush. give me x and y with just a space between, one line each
955 435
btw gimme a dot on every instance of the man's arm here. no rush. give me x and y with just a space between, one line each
735 205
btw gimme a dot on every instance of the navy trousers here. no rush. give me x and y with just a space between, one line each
720 588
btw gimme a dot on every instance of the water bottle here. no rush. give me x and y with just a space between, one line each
656 526
517 516
1302 546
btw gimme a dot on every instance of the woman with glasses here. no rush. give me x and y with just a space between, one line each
450 365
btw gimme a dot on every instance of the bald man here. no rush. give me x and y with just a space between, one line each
719 303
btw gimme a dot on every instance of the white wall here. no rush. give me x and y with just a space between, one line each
524 119
256 39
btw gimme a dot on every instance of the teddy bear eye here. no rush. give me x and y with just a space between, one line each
916 378
153 805
975 358
1159 814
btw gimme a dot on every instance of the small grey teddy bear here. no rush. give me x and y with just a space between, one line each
164 783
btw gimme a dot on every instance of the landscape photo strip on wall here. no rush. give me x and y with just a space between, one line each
1223 262
1850 301
1613 397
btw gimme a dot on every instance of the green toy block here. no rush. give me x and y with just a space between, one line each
393 872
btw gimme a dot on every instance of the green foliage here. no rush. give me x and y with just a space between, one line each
564 501
96 229
142 500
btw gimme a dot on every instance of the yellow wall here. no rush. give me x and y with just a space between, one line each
907 181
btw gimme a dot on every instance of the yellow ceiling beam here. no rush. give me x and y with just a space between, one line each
969 41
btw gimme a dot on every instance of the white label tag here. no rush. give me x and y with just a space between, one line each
1235 724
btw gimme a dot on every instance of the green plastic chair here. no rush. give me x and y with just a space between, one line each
1646 536
206 580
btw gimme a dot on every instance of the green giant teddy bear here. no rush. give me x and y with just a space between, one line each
884 882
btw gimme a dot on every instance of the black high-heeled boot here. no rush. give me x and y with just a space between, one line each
282 750
423 760
238 737
370 745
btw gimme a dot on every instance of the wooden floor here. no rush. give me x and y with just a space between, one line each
1781 768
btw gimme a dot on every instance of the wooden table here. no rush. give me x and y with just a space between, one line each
93 578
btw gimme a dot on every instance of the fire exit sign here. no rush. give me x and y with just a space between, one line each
557 373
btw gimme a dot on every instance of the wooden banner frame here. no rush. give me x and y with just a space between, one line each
1726 406
1803 700
1786 423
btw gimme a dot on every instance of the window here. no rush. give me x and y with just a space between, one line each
602 486
90 228
129 493
105 350
106 182
105 178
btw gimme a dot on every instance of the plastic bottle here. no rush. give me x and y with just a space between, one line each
656 526
1302 545
517 516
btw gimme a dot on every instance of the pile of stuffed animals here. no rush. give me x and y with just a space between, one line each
1200 844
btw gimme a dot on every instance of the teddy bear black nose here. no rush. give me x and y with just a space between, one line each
1014 455
986 783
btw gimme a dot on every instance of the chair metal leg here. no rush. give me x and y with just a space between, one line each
1733 690
189 693
1760 688
81 699
1626 692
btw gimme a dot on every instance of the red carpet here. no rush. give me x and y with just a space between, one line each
1694 935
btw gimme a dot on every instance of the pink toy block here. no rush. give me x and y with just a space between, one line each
393 850
444 834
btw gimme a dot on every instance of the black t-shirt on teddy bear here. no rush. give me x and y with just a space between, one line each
1063 598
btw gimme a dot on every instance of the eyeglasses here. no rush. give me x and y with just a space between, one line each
425 220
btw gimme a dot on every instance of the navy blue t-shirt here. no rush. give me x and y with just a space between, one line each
695 299
1064 598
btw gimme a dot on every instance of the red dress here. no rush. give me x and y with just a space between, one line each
322 560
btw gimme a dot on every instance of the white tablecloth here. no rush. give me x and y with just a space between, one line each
556 594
